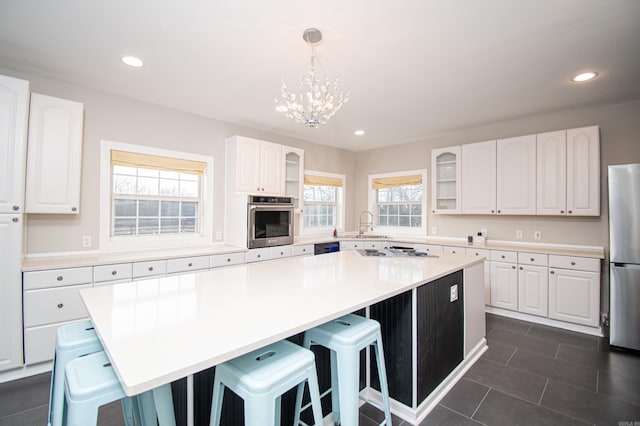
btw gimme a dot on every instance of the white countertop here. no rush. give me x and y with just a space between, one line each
160 330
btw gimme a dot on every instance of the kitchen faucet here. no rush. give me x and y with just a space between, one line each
368 224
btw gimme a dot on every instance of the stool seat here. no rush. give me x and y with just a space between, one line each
261 377
91 382
346 337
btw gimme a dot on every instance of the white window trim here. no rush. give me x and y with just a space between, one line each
398 230
340 207
107 242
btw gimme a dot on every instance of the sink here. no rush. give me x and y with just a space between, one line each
370 236
391 252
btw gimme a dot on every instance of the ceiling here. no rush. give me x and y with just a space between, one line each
414 68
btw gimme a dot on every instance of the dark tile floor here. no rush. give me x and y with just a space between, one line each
531 375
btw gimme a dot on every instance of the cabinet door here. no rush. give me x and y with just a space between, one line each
293 174
583 171
574 296
504 285
446 183
479 178
54 156
516 175
551 174
271 169
533 290
14 109
10 292
247 164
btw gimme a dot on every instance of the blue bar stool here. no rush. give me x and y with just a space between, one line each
346 337
91 382
261 377
73 341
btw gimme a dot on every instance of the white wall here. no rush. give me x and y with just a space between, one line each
120 119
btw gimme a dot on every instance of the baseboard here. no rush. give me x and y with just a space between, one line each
594 331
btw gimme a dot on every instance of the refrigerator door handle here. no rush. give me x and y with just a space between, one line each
626 265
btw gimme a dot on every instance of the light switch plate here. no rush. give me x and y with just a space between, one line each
537 235
86 241
519 234
454 293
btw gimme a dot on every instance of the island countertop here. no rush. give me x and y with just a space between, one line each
159 330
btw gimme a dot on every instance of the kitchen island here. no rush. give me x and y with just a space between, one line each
160 330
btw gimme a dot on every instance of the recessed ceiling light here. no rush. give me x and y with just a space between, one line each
359 132
282 108
132 61
585 76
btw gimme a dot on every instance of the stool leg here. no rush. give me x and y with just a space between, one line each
56 394
382 374
299 394
81 414
314 391
216 402
348 386
128 410
260 411
278 410
146 409
335 389
164 405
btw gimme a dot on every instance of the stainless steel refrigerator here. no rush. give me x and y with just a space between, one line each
624 243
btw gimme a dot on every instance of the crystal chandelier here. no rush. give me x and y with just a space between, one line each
317 100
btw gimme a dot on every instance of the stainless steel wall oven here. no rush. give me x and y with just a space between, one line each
270 221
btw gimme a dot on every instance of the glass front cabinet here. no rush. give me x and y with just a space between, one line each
445 180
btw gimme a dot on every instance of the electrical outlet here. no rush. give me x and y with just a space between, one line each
454 293
484 232
86 241
537 235
218 235
434 230
519 234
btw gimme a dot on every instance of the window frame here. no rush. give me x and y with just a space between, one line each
372 203
124 242
340 206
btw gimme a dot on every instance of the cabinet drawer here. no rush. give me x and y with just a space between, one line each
479 252
573 262
150 268
533 259
218 260
351 245
504 256
257 255
57 277
375 245
119 271
185 264
280 251
453 250
431 248
40 342
53 305
302 250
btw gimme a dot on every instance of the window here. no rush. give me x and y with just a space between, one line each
323 208
398 200
152 197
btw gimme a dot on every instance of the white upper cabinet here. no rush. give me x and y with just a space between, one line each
258 166
516 175
479 178
569 172
293 174
446 174
552 173
14 111
583 171
54 156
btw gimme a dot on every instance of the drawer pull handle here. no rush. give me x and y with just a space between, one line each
303 250
281 253
492 211
477 254
15 220
190 264
16 208
453 251
552 272
150 268
570 211
532 259
513 267
573 263
228 259
258 256
73 209
114 272
60 278
521 268
562 211
502 256
60 305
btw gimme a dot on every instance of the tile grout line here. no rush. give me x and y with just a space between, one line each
543 391
597 379
481 401
511 357
557 351
461 414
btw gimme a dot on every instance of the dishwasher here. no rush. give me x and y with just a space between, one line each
323 248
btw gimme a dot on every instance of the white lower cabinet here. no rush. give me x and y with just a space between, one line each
487 270
504 285
280 252
187 264
10 292
258 255
305 250
574 296
121 272
227 259
150 268
532 290
351 245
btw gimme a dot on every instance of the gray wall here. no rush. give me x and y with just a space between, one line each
619 144
125 120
